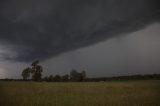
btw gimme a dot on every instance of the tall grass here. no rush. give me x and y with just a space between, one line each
127 93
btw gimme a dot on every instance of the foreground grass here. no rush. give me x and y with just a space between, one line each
124 93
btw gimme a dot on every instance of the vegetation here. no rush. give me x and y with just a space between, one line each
135 90
126 78
113 93
73 77
76 76
36 71
26 73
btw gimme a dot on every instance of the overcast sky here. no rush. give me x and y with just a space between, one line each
104 37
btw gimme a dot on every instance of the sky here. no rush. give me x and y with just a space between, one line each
104 37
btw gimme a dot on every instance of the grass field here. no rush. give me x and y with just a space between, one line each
115 93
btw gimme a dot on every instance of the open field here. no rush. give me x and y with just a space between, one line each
115 93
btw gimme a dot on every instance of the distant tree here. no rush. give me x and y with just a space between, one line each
35 63
65 78
83 75
57 78
51 78
34 66
46 78
76 76
26 73
36 71
73 75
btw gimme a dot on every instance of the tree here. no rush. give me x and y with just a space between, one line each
26 73
46 78
65 78
73 75
35 63
76 76
57 78
51 78
36 71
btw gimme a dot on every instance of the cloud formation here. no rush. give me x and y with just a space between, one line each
40 29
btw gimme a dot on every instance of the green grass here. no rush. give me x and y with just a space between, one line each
115 93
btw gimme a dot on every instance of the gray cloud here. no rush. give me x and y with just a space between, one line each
45 28
136 53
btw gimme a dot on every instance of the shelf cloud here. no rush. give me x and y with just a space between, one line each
40 29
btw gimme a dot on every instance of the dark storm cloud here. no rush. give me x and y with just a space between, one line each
45 28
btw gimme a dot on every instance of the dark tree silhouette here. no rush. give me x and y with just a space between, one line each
46 78
26 73
73 75
36 71
65 78
76 76
57 78
51 78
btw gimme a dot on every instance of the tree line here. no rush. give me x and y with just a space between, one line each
34 73
126 78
